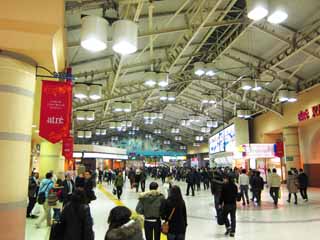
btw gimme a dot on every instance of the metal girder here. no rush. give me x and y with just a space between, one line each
296 47
183 43
264 28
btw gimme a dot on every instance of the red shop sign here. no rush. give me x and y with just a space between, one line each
279 149
307 114
67 148
56 106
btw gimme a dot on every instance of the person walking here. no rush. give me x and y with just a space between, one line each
33 188
275 183
228 202
303 184
118 183
244 187
68 189
137 179
45 187
205 178
143 178
88 186
76 218
216 188
292 185
122 226
198 179
257 187
190 179
149 206
173 210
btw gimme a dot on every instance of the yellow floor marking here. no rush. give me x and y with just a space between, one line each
117 202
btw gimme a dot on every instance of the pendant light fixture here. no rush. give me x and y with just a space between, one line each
178 138
103 132
80 91
210 70
247 85
80 134
212 123
278 13
125 37
94 33
185 122
163 79
244 113
80 115
95 92
199 69
90 115
87 134
150 79
257 9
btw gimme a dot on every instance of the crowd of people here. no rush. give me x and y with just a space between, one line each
68 197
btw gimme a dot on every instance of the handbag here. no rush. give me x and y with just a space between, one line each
114 191
239 195
165 225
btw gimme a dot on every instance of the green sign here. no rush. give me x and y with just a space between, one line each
289 159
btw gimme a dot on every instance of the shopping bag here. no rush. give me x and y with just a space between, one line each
279 194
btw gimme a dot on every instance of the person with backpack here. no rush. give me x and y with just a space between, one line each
149 206
45 187
173 212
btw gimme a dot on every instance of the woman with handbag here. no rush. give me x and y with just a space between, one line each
173 211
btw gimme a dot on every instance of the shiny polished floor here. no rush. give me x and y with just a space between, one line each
288 221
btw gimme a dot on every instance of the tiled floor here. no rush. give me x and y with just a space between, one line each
286 222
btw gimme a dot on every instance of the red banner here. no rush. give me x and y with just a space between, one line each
56 107
279 149
67 148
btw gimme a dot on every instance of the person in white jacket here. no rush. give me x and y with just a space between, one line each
244 186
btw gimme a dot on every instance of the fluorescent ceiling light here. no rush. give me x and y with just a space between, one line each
292 96
246 85
95 92
256 88
277 17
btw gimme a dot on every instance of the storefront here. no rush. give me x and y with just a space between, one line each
93 156
299 129
260 157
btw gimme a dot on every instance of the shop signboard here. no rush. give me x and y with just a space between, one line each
56 106
259 150
306 114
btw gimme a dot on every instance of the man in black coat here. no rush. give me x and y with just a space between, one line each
88 187
303 184
228 202
190 179
257 185
32 193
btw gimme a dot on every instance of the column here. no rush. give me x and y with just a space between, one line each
291 148
17 84
51 158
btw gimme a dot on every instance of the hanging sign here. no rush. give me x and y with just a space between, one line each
67 148
56 106
279 149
